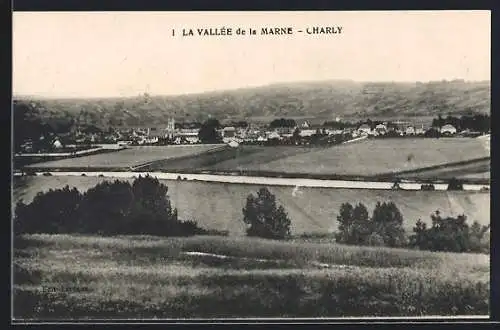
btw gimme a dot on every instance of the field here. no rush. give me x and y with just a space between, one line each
241 158
480 169
90 277
130 157
373 157
365 158
219 205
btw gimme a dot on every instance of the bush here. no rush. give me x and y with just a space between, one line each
427 187
264 218
385 227
450 234
387 222
455 184
375 240
354 224
109 208
50 212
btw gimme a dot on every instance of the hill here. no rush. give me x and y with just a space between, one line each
326 99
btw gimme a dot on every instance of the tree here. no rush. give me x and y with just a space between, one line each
152 210
282 122
451 234
105 208
455 184
109 208
52 212
208 132
387 222
354 224
296 135
264 218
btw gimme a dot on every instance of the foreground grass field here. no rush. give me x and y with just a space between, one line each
69 276
310 209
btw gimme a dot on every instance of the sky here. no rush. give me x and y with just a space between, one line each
109 54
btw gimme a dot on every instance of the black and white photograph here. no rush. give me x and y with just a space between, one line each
265 165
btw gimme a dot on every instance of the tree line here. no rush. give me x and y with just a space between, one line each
476 123
143 207
110 208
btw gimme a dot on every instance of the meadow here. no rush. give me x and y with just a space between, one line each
219 205
480 169
129 157
367 158
241 158
90 277
379 156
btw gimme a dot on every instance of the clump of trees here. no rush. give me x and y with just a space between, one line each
264 217
282 122
208 131
383 228
451 234
109 208
455 184
477 122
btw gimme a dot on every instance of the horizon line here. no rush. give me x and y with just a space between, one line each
222 90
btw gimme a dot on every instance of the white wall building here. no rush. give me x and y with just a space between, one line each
449 129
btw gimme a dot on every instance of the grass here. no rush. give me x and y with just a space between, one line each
480 169
132 156
68 276
241 158
361 159
310 209
376 156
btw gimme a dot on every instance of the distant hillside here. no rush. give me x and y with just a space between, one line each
320 100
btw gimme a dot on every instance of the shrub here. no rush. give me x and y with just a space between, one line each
385 227
429 186
109 208
354 224
387 221
375 240
455 184
50 212
450 234
264 218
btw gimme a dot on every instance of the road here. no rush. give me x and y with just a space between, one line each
268 181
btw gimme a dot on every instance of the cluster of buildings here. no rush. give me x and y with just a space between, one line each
400 128
262 134
302 133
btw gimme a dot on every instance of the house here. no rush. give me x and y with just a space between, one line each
381 129
154 132
300 123
448 129
420 131
228 132
307 132
364 129
233 144
410 130
57 144
284 130
274 135
192 139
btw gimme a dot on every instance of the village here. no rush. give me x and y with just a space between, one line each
278 132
